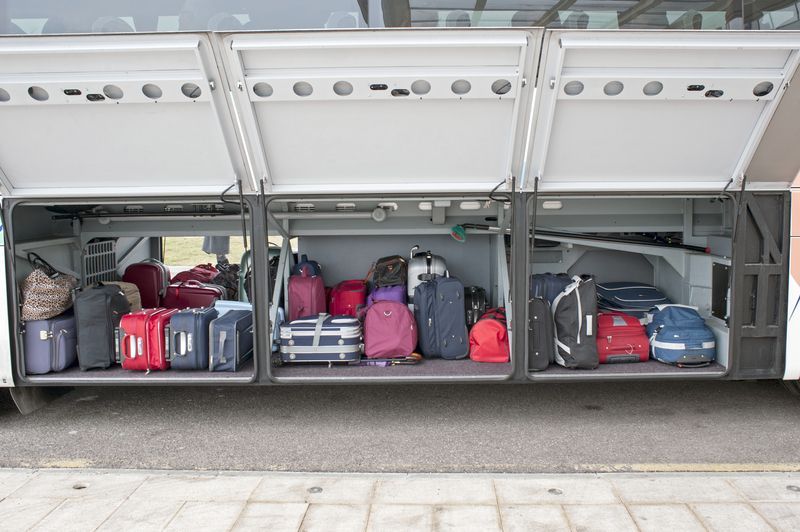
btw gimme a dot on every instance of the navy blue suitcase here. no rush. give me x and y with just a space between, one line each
188 338
441 318
548 285
321 338
631 298
231 340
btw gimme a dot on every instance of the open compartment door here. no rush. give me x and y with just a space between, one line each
118 115
663 110
389 111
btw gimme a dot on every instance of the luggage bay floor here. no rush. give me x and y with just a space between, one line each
428 368
116 374
632 370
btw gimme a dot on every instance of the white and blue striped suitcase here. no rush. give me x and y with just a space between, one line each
321 338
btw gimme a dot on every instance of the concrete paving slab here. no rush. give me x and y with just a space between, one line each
542 518
77 515
400 518
462 518
769 488
600 517
21 514
11 480
674 488
206 516
555 490
322 490
335 518
730 517
136 516
200 487
782 515
660 517
80 485
435 491
275 517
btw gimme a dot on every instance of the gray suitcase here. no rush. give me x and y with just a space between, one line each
50 345
231 340
189 338
423 266
441 318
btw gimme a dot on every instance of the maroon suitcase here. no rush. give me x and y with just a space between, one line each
192 294
142 339
306 295
152 279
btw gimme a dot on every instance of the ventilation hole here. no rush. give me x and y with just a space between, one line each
696 88
714 93
303 88
420 87
400 92
573 88
152 91
653 88
113 92
262 90
613 88
95 97
501 86
38 93
4 95
763 88
72 92
461 86
342 88
191 90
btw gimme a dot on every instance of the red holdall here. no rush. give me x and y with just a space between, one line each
348 298
142 340
192 294
202 273
621 338
488 338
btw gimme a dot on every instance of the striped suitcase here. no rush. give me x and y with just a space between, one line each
321 338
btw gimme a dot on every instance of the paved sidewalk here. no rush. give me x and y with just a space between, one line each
67 500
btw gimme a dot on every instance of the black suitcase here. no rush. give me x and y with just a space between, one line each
474 304
98 311
541 335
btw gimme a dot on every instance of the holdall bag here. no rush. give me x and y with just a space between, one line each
50 345
389 330
231 341
631 298
188 338
423 266
143 339
441 319
202 273
98 311
310 267
321 338
621 338
549 285
575 318
152 277
474 304
488 338
46 292
131 292
306 295
348 298
541 334
680 337
390 271
192 294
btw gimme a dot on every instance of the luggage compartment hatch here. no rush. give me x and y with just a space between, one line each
389 111
116 115
652 111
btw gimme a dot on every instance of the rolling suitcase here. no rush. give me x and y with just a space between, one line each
306 295
224 306
630 298
98 311
152 278
348 298
188 338
541 334
192 294
50 345
474 304
424 266
441 319
322 338
548 285
231 340
575 318
143 339
621 338
389 330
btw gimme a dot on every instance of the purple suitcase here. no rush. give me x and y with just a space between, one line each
50 345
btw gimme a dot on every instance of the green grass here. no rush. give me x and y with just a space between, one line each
188 250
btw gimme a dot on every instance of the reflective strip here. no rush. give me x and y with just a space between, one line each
563 346
680 347
321 349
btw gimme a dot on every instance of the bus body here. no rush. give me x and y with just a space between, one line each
511 138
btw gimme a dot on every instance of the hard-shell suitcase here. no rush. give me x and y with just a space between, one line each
231 340
474 304
202 273
548 285
488 338
188 337
152 277
321 338
98 311
192 294
441 319
621 338
424 266
575 318
143 339
389 330
348 298
306 295
541 334
224 306
631 298
680 337
131 292
50 345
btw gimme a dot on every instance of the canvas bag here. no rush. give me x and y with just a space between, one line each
575 318
46 292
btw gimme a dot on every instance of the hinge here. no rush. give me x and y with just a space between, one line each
212 84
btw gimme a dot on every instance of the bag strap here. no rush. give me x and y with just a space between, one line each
41 264
318 329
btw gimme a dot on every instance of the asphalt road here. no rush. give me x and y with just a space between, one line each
545 428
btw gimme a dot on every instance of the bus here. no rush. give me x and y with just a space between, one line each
644 142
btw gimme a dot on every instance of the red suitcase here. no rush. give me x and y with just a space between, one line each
192 294
621 338
348 298
142 339
203 273
306 295
152 279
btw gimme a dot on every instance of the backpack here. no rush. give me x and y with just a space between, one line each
680 337
488 339
311 267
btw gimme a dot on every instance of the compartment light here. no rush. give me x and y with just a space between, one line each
552 205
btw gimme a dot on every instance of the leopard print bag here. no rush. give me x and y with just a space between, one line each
46 292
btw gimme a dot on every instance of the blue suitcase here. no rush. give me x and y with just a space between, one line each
631 298
548 285
231 340
441 318
321 338
188 338
50 345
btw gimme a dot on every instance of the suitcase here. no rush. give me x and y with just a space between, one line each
348 298
621 338
306 296
50 345
630 298
441 319
152 278
98 311
142 339
575 318
548 285
192 294
389 330
202 273
231 340
224 306
188 338
322 338
474 304
488 339
423 266
131 292
541 334
680 337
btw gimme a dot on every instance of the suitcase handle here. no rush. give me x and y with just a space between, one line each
126 346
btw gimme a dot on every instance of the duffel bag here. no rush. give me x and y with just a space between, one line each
575 317
488 338
680 337
202 273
